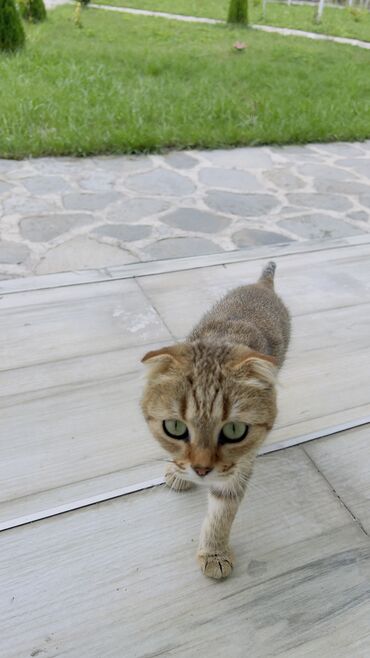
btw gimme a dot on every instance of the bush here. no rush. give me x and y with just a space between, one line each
32 10
12 34
238 12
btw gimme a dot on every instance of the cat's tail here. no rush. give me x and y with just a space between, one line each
267 276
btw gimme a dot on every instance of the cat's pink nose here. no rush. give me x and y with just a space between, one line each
202 470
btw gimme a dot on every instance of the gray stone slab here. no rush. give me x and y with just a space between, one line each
240 158
241 204
97 182
232 179
294 154
316 226
161 181
22 205
326 186
191 219
46 184
123 165
12 253
7 165
124 232
321 201
325 171
360 165
180 160
341 149
359 215
134 209
44 229
82 252
284 179
4 187
181 248
365 200
77 201
253 237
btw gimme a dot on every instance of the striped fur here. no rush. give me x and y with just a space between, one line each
225 371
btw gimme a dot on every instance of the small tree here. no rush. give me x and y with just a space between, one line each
238 12
12 34
32 10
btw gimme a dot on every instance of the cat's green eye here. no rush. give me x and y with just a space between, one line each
233 432
176 429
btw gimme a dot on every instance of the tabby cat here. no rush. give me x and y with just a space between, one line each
210 402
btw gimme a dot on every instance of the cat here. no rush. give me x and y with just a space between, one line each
211 400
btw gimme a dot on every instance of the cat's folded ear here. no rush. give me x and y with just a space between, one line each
172 355
260 370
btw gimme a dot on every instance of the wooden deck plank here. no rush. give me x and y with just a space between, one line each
309 283
71 378
120 579
50 325
97 432
345 462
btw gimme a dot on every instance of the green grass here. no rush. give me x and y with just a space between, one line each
131 84
339 22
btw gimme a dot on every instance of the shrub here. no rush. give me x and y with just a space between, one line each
12 34
32 10
238 12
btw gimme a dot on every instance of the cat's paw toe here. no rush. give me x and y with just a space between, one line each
174 480
216 565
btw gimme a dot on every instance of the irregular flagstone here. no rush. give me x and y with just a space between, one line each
293 154
325 171
181 248
161 181
46 184
48 227
321 201
124 232
180 160
340 187
341 149
5 187
122 165
359 215
192 219
283 178
316 226
97 182
20 205
134 209
239 158
80 253
253 237
78 201
232 179
12 253
241 204
360 165
365 200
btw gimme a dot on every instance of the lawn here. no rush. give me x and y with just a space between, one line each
340 22
130 84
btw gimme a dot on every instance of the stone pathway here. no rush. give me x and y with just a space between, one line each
61 214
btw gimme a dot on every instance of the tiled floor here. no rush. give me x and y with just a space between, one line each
107 568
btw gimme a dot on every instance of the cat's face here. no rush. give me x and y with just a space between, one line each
209 407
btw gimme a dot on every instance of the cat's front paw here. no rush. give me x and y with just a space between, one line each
216 565
174 480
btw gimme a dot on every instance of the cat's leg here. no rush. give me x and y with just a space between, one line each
175 480
214 554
